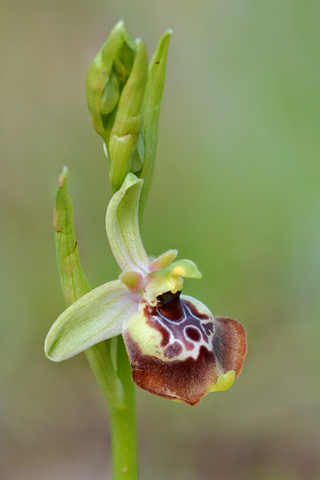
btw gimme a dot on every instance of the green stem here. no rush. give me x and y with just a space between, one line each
100 361
108 360
122 406
124 425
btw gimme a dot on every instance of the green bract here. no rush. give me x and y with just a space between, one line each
177 349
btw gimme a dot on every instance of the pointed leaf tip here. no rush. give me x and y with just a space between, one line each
120 24
63 177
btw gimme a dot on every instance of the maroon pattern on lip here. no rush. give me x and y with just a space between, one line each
230 344
216 346
189 327
186 380
173 350
193 333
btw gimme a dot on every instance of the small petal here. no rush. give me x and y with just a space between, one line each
178 350
96 316
163 261
122 226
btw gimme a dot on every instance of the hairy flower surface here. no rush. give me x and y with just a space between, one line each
177 349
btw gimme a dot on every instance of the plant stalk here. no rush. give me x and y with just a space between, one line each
124 424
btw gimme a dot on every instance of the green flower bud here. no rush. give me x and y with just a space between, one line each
124 136
124 98
107 75
115 94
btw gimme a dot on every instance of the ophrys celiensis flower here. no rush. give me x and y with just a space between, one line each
177 348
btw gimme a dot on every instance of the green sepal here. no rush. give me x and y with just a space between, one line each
122 227
106 77
125 133
95 317
151 113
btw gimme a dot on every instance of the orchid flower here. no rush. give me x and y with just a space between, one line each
176 347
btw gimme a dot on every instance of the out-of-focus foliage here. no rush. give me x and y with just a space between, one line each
237 189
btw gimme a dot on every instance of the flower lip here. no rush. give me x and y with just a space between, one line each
183 357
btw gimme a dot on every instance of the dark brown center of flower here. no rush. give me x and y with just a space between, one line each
169 305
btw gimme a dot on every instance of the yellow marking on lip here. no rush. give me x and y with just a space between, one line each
224 382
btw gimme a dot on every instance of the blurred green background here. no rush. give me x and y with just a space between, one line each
236 189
